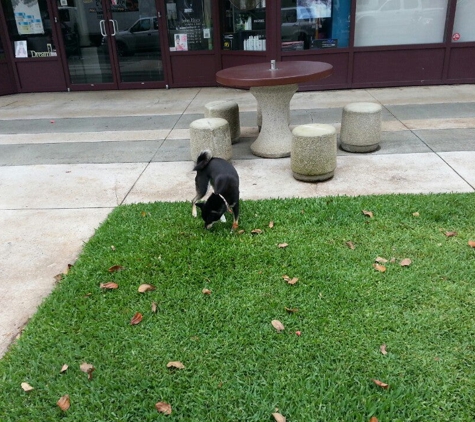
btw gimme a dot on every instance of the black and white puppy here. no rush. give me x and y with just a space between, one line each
224 179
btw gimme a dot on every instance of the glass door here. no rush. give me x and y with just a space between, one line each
111 43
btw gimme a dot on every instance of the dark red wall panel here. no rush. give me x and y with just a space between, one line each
462 64
41 75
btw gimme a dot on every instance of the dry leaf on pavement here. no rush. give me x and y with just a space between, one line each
26 387
64 403
136 319
163 407
146 288
278 325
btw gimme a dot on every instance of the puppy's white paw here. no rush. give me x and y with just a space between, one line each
223 219
193 211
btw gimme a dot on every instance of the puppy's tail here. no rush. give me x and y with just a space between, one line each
203 159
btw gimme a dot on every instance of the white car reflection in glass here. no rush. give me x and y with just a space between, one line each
142 36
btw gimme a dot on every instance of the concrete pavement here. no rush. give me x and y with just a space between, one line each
67 159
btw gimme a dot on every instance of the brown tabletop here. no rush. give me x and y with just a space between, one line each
260 74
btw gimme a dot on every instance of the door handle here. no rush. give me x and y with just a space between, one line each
114 23
102 27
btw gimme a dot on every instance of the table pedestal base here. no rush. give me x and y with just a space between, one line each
275 138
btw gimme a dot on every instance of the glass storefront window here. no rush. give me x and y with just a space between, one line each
315 24
244 25
29 28
190 26
464 25
398 22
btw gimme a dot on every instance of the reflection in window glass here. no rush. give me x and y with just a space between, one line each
29 28
464 25
314 24
397 22
244 25
2 51
190 26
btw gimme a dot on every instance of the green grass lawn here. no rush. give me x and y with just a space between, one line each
238 367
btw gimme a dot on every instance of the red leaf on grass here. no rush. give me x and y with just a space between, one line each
380 268
115 268
136 319
471 243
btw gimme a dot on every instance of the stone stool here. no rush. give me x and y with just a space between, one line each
313 152
229 111
213 134
360 127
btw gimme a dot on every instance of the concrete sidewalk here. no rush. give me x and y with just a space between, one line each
67 159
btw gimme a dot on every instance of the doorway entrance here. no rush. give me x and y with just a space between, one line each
112 43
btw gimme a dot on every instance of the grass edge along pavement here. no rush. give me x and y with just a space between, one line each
347 323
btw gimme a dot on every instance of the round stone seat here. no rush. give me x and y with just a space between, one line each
360 127
229 111
210 133
313 152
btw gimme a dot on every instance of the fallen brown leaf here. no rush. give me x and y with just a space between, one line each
380 384
415 214
380 260
405 262
450 234
64 403
146 288
163 407
88 369
154 307
282 245
116 268
350 245
176 365
373 419
368 213
271 224
64 368
109 286
382 348
26 387
278 325
256 231
136 319
278 417
380 268
291 310
206 291
240 231
471 243
289 280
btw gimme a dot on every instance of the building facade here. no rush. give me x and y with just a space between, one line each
60 45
